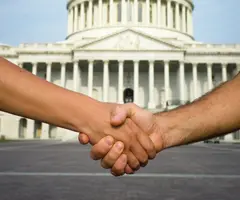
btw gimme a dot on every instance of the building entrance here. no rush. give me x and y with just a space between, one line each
128 95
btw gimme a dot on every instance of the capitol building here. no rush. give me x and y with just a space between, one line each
140 51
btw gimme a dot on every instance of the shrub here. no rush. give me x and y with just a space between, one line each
2 138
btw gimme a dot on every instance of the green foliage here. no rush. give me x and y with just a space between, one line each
2 138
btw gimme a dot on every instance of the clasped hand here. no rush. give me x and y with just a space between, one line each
127 140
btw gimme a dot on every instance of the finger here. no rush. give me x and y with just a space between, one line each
100 149
133 162
139 153
129 170
113 155
83 138
119 166
147 144
158 142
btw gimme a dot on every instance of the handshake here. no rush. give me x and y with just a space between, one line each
124 137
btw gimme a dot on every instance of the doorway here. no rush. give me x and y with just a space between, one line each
128 95
22 128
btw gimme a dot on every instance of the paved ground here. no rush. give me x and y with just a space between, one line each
64 171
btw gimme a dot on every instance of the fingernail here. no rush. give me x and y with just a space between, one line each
109 140
114 174
119 146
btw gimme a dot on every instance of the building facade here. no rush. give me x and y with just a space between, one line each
140 51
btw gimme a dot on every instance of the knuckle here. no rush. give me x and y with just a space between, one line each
112 156
99 153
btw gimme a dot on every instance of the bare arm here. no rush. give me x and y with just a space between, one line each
214 114
23 94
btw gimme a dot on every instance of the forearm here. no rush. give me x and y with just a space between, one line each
24 94
212 115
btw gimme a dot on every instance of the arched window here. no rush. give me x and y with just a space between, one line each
95 94
140 12
22 128
52 131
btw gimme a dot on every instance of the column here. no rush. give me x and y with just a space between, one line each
69 21
49 72
195 81
90 78
182 82
191 22
120 81
111 12
105 81
151 103
99 12
90 13
82 15
75 18
30 129
166 81
63 75
169 12
183 18
135 11
224 72
75 76
159 7
124 13
136 81
177 16
147 11
209 75
188 21
34 68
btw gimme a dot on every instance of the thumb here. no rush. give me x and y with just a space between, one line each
121 113
118 116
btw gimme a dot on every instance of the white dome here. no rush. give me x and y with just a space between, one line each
166 19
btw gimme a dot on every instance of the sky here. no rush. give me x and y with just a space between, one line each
28 21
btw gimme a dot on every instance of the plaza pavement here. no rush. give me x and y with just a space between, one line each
53 170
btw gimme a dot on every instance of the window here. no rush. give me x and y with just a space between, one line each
151 12
108 13
119 12
140 10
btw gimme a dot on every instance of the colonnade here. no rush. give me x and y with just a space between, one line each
171 14
121 65
151 75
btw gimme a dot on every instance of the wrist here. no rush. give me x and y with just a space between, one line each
81 112
171 128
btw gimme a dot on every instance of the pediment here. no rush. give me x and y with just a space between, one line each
128 40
